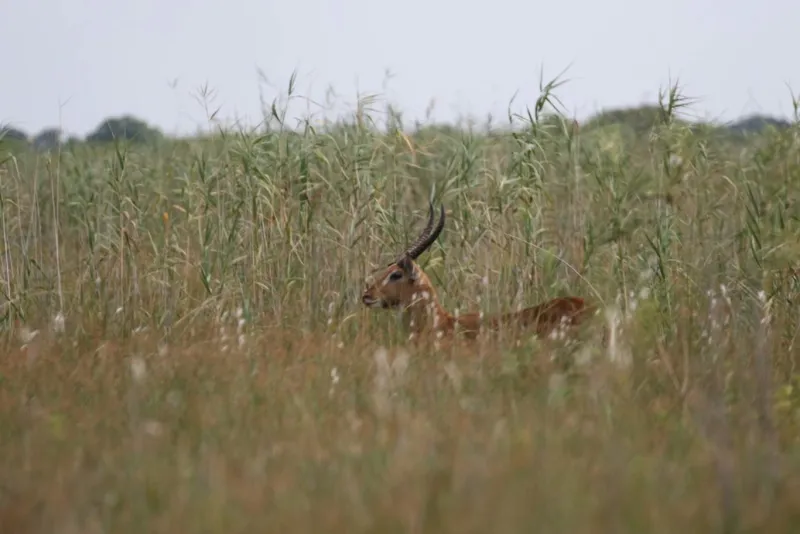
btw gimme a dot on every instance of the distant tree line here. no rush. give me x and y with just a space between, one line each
126 127
637 119
642 119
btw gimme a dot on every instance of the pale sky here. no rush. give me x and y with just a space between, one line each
72 63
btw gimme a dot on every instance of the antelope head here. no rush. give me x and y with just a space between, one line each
403 286
402 283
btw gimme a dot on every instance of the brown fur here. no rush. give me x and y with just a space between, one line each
404 286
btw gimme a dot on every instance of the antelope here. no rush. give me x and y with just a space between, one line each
403 286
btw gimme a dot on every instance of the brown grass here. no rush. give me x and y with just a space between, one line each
161 407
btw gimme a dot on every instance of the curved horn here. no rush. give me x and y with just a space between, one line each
425 231
428 236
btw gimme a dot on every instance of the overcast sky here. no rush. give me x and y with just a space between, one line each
74 62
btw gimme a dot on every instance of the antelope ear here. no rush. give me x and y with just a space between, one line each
407 264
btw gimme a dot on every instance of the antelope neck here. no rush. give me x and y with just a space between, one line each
425 312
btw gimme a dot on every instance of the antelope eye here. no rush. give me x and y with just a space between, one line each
397 275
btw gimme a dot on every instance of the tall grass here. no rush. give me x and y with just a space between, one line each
186 351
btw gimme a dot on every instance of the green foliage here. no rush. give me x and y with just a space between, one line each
218 372
125 127
12 141
47 139
640 120
758 124
12 134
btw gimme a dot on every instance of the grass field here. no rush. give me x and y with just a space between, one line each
185 349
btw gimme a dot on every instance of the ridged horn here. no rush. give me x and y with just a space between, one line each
428 235
425 231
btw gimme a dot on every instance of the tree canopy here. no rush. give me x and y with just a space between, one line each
125 127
